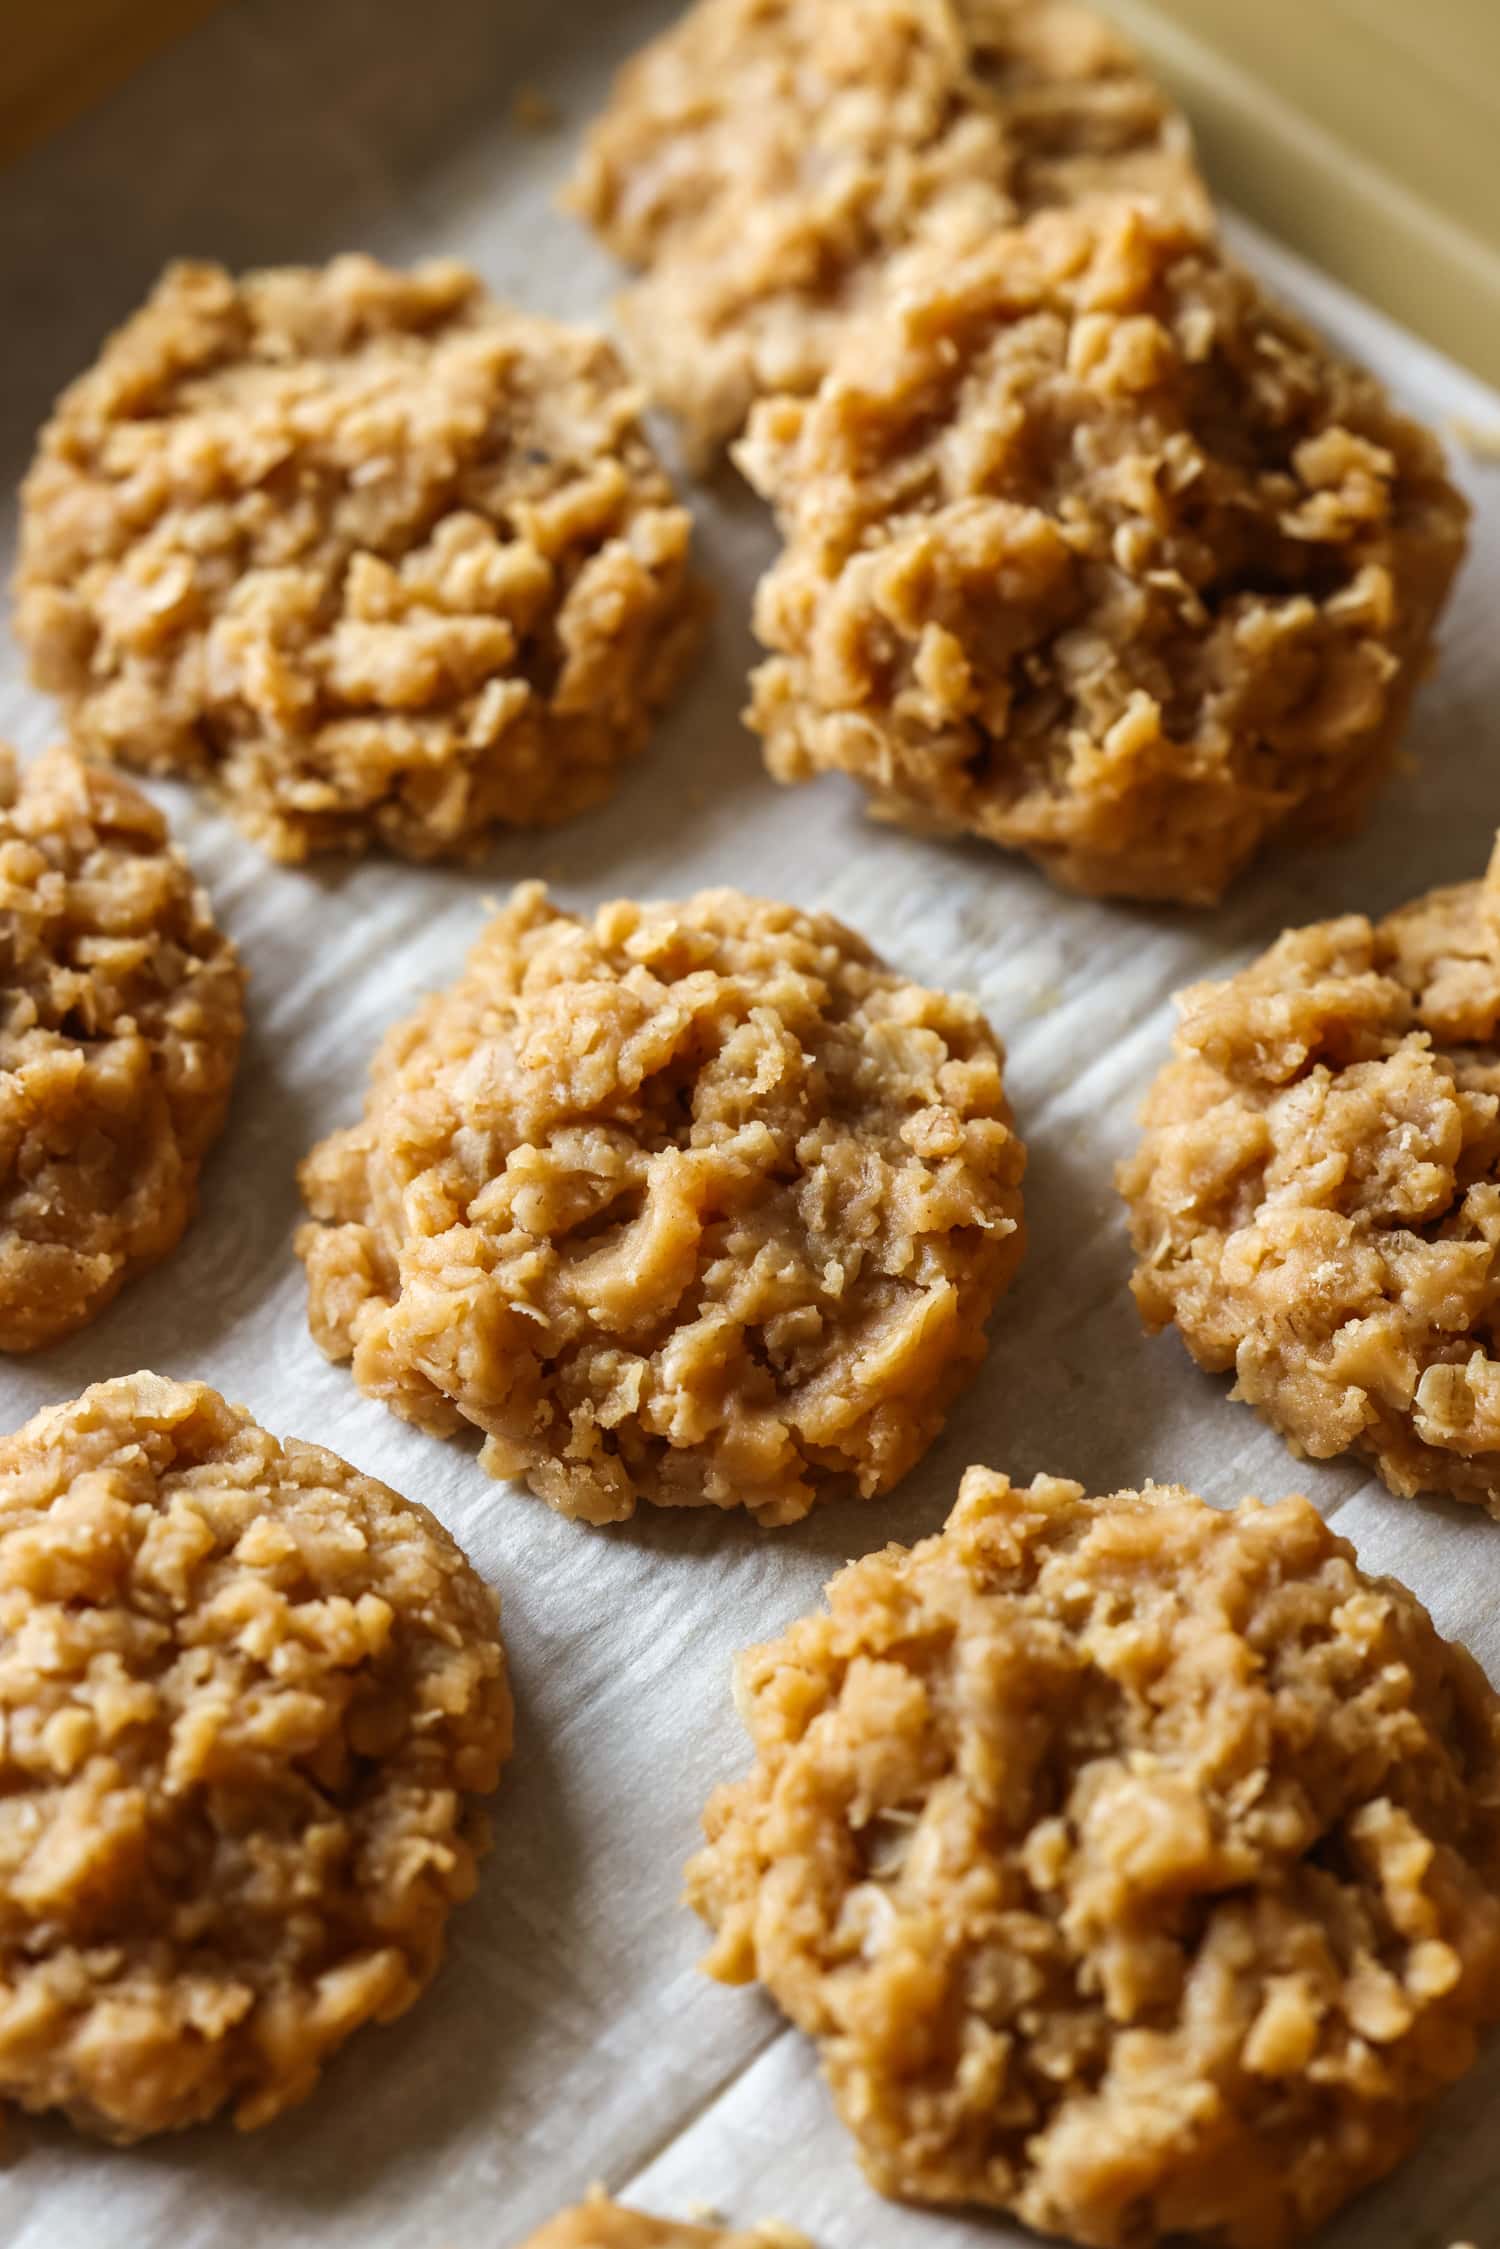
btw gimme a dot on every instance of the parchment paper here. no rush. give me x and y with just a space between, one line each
569 2037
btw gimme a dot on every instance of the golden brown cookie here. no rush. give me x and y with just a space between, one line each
1136 1866
381 560
766 160
248 1697
696 1203
601 2224
121 1013
1094 552
1316 1200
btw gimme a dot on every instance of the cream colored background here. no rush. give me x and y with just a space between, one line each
569 2036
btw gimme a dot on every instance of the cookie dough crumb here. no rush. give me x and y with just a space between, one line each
1092 551
1135 1865
249 1697
696 1203
601 2224
767 162
381 560
1315 1203
123 1014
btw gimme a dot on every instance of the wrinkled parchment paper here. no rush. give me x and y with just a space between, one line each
569 2037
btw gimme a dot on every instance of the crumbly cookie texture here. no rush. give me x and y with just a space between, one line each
248 1696
766 160
695 1203
1135 1865
1316 1199
380 559
601 2224
121 1013
1092 551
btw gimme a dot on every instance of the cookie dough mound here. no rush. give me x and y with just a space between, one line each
382 560
1135 1865
1316 1199
1095 553
123 1012
247 1695
695 1203
600 2224
767 159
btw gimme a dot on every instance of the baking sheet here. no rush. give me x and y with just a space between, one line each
569 2037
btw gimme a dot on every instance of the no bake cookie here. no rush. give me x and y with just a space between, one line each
601 2224
1094 552
696 1203
249 1699
1315 1203
379 559
1135 1865
766 161
121 1014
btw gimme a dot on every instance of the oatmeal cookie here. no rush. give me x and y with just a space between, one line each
766 160
601 2224
123 1009
381 560
248 1694
1316 1199
695 1203
1136 1866
1092 551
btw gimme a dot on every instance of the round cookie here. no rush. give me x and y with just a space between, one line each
765 161
1315 1203
248 1696
1092 551
695 1203
380 559
123 1010
601 2224
1136 1866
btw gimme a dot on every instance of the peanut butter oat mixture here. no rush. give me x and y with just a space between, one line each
601 2224
381 560
766 160
695 1203
1136 1866
247 1696
1316 1200
121 1012
1094 552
